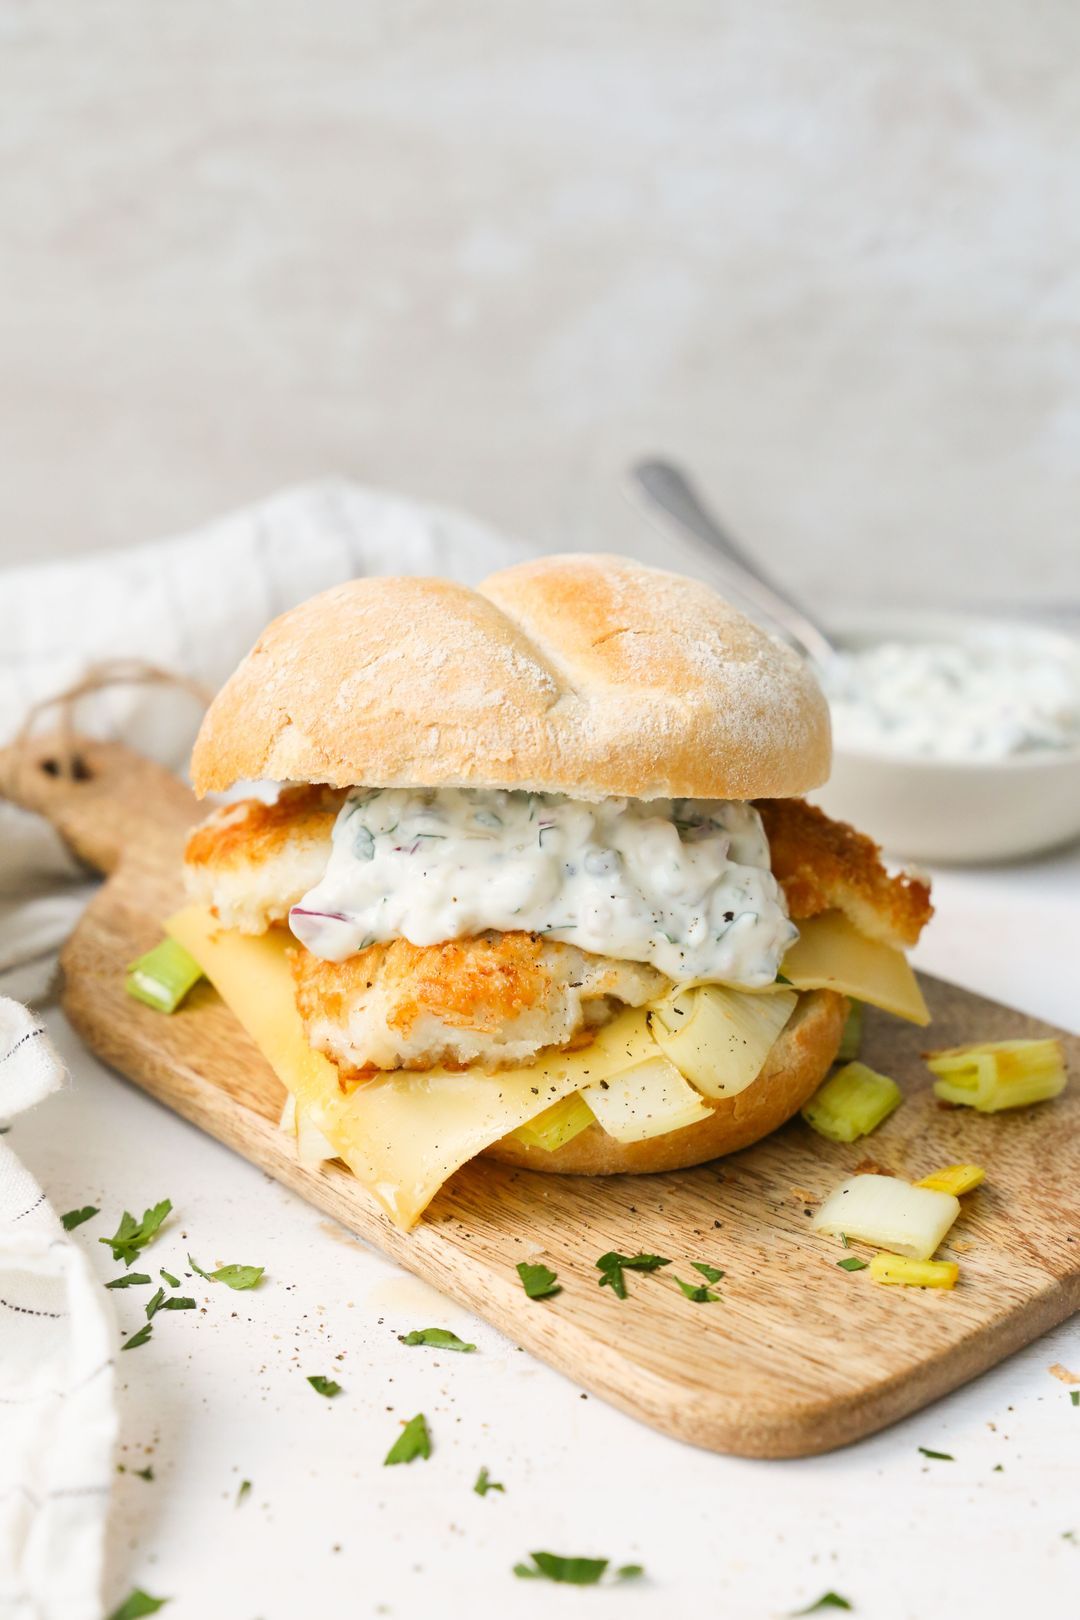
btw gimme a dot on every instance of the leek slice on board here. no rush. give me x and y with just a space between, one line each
650 1099
163 977
895 1268
851 1103
718 1039
889 1214
999 1074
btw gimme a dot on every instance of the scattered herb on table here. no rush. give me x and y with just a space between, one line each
710 1273
138 1338
827 1600
612 1265
173 1282
1074 1396
438 1338
537 1281
697 1292
146 1473
547 1566
244 1491
413 1441
938 1456
132 1235
238 1277
128 1279
853 1263
485 1483
75 1217
153 1302
137 1604
324 1386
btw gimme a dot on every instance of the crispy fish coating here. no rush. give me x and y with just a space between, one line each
250 861
496 999
825 865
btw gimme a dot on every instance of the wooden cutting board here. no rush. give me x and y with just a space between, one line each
798 1357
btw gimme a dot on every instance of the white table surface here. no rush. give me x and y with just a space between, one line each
219 1395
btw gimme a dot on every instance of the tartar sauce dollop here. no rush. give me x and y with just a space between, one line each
975 700
683 884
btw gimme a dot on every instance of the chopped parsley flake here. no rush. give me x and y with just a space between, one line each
828 1600
697 1292
244 1491
132 1235
938 1456
138 1338
612 1265
75 1217
128 1280
153 1302
547 1566
484 1483
710 1273
413 1441
137 1604
324 1386
173 1282
233 1276
853 1263
1074 1396
146 1473
438 1338
538 1282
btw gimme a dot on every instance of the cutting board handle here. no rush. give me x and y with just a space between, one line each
105 801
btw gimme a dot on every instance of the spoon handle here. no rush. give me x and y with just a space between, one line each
669 493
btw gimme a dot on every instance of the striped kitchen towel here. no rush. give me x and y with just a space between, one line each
57 1349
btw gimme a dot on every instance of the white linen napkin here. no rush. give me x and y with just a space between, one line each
57 1413
193 606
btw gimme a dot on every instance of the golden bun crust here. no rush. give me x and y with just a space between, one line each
585 675
796 1066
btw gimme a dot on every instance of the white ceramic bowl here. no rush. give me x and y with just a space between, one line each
945 810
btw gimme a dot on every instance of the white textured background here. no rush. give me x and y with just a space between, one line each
828 252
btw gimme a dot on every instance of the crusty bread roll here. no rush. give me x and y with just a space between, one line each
795 1067
584 675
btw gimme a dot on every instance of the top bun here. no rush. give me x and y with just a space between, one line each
585 675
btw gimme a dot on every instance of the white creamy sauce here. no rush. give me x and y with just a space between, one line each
683 884
985 700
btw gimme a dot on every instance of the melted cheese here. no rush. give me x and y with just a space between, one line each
831 954
402 1136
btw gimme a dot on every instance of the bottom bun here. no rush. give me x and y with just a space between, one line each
796 1065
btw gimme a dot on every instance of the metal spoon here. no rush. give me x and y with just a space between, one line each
666 492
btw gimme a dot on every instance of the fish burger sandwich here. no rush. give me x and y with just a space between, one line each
539 882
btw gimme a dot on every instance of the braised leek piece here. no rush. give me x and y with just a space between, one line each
851 1039
889 1214
650 1099
999 1074
954 1178
718 1038
851 1103
163 977
897 1268
557 1125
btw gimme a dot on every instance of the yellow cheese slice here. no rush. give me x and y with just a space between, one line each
831 954
402 1136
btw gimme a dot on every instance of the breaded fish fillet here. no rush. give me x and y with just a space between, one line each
825 865
497 999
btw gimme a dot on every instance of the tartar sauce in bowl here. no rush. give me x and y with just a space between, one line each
988 698
955 738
